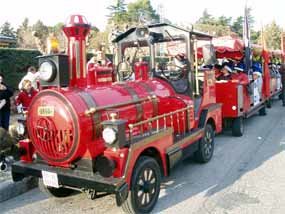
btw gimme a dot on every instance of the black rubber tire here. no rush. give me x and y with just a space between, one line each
206 146
262 111
140 175
54 192
269 103
237 127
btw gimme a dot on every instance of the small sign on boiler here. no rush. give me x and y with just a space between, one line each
46 111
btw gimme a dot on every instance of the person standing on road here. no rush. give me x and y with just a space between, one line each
5 94
282 72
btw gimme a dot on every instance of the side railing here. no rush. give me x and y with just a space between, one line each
161 122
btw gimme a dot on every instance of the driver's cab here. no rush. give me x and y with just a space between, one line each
169 53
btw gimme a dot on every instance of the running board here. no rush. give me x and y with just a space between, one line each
254 110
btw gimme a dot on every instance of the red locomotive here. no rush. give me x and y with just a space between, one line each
119 137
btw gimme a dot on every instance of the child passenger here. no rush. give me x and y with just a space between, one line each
25 96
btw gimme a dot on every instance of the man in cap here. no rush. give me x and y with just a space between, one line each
226 73
241 76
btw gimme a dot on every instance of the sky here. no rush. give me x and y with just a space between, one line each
177 11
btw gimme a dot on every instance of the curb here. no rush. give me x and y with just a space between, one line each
10 189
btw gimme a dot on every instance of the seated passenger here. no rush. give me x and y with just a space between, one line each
25 97
257 80
241 76
217 69
225 73
102 60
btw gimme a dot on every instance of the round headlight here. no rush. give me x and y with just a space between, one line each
47 71
20 129
109 135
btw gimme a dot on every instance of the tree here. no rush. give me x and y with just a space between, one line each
206 18
224 21
7 30
118 13
40 29
25 37
215 26
141 10
272 34
237 26
25 24
40 33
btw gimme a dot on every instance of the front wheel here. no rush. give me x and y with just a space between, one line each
54 192
206 146
237 127
145 186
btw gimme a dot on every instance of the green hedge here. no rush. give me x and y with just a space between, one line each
14 63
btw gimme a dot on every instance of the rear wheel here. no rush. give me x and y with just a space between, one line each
262 111
54 192
145 186
206 146
237 127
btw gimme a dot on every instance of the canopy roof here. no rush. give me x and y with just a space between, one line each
228 47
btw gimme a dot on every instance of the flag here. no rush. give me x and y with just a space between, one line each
246 40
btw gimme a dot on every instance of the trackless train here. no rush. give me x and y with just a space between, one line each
90 133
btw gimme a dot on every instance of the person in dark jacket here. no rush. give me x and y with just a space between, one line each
5 93
282 72
226 73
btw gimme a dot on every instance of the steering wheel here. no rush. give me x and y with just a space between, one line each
172 71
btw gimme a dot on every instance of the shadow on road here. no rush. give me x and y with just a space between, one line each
233 158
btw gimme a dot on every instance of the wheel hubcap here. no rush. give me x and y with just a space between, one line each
208 143
146 187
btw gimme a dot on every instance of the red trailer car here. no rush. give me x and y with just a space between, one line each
240 99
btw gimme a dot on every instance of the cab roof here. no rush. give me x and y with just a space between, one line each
158 26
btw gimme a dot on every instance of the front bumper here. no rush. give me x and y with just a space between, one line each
74 178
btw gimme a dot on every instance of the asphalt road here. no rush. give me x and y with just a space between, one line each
246 175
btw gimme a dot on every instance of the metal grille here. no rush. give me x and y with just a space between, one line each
51 142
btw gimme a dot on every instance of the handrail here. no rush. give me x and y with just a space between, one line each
164 116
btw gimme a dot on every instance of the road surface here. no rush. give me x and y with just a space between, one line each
246 175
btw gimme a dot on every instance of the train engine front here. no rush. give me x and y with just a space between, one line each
117 137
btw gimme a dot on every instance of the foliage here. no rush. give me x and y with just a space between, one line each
14 63
25 38
7 30
141 10
222 26
118 13
272 34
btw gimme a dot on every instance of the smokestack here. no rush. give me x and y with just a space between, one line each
76 29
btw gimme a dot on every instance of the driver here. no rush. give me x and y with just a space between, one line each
180 61
226 73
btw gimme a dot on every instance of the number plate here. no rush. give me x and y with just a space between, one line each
46 111
50 179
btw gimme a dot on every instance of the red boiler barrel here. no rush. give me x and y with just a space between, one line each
61 132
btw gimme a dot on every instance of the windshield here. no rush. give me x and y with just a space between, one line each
170 59
133 52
